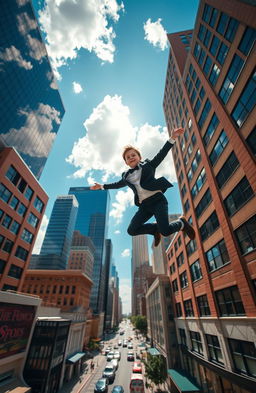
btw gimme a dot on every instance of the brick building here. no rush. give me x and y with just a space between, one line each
81 254
211 91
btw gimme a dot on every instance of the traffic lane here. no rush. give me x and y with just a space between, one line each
123 373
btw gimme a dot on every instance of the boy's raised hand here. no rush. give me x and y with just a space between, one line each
96 186
177 132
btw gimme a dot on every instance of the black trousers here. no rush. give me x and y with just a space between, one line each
156 206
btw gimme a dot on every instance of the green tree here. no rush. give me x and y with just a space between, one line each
140 323
155 369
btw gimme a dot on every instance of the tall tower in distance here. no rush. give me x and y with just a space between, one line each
92 221
57 242
211 91
31 109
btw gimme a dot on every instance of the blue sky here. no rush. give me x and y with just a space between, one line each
110 60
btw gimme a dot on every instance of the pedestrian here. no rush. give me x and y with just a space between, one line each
92 366
149 193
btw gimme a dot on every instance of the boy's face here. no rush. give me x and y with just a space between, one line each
132 158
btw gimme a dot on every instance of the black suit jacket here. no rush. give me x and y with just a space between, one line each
148 180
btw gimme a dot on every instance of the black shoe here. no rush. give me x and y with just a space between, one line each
157 237
188 229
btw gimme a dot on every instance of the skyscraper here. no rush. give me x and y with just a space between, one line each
92 221
31 109
58 237
211 91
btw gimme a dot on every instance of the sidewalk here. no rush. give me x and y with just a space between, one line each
77 384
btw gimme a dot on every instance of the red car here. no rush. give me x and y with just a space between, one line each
137 368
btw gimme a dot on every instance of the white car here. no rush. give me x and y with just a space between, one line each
130 346
114 362
117 355
110 356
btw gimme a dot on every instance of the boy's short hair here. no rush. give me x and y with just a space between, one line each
130 147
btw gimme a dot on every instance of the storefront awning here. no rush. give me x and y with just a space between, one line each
74 358
153 351
182 381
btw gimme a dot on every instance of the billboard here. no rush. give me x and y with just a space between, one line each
15 325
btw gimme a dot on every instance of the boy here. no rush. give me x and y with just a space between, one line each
149 193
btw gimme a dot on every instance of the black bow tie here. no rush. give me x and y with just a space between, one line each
134 169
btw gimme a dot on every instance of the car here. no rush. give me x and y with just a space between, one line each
117 389
115 363
124 344
130 346
137 368
121 332
101 386
115 346
117 355
109 373
119 343
130 356
110 356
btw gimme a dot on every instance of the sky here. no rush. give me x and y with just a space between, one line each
110 59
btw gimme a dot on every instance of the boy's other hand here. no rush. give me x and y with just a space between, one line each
177 132
96 186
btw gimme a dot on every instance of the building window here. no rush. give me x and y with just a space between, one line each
180 259
21 253
178 310
33 220
241 194
183 338
227 170
14 203
231 78
214 45
183 280
251 141
28 193
217 256
246 235
172 268
246 102
188 307
15 271
191 247
204 203
213 344
202 93
21 209
199 183
175 285
8 245
229 302
183 190
1 240
186 206
22 185
196 342
38 204
211 129
15 227
207 65
244 356
209 226
214 75
218 148
227 27
6 221
197 106
12 175
27 236
205 113
247 40
203 306
195 270
5 194
222 53
2 264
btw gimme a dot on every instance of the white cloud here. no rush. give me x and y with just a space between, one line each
25 24
51 78
110 121
77 88
125 294
13 54
155 33
40 235
117 232
91 181
72 25
37 48
43 117
126 253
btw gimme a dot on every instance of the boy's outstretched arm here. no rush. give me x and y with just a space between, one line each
109 186
166 148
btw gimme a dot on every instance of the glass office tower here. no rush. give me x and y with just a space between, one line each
58 237
31 109
92 221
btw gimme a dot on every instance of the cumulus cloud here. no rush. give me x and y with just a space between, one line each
13 54
72 25
155 33
126 253
77 88
40 235
125 294
44 117
110 121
